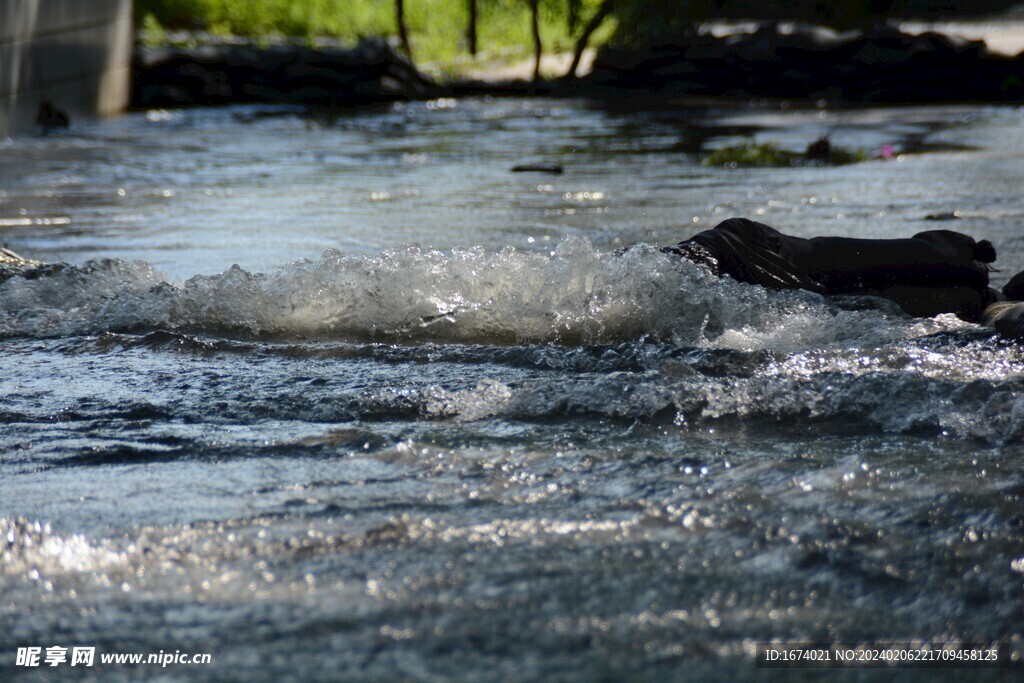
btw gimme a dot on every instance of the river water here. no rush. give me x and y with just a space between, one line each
338 396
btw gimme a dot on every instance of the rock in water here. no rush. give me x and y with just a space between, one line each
819 150
1006 318
12 264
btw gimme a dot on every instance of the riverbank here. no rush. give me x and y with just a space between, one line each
234 72
792 62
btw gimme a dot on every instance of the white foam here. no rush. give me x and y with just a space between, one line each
574 294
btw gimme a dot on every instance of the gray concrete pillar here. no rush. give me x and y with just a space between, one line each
74 54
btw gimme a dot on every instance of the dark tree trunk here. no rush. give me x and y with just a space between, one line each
581 45
537 47
471 29
403 33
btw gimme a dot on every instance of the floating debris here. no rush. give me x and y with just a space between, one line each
948 216
538 168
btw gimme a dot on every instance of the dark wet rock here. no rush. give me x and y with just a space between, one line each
948 216
293 74
11 264
819 150
1014 289
49 117
813 62
1006 318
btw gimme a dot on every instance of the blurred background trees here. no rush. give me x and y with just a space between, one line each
435 29
644 20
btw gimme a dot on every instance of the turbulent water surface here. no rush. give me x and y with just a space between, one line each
340 397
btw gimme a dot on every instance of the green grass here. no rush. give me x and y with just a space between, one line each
751 154
437 28
767 154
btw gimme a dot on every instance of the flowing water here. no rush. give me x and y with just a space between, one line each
338 396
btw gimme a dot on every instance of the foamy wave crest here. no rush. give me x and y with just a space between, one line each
574 294
891 402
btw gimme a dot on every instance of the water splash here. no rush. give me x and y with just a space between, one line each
571 295
34 549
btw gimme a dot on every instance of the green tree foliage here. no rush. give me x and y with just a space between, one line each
437 29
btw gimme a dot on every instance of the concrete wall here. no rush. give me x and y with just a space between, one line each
75 54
